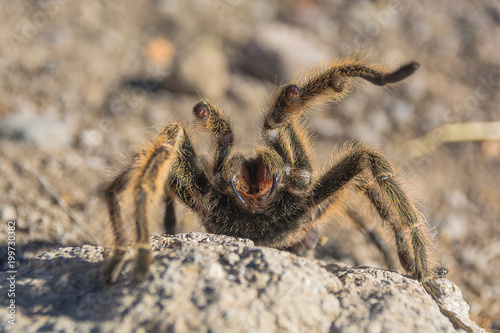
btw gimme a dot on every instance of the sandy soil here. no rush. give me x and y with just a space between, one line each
85 83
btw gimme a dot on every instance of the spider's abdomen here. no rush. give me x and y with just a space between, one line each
271 227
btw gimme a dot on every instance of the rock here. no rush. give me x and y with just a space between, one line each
277 51
8 213
203 283
383 301
203 69
453 305
7 260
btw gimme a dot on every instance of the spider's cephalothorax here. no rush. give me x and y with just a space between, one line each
274 197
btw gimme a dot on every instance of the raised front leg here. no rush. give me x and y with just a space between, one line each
283 127
212 121
285 136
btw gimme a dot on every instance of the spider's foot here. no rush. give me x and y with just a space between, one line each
113 267
431 283
142 264
392 77
441 272
401 73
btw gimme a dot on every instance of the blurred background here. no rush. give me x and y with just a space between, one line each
84 83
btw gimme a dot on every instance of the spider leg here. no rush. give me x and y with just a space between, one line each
333 83
115 263
169 219
167 164
286 138
322 211
372 235
287 151
374 176
283 127
211 120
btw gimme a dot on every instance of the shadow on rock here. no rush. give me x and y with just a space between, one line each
61 283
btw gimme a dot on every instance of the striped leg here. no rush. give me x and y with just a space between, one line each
153 173
373 174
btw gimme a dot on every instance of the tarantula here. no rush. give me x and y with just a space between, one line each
274 197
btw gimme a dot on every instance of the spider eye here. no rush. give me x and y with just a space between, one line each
201 111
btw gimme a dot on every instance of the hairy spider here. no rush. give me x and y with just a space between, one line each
274 197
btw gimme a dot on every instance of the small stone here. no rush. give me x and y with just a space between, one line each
203 69
9 213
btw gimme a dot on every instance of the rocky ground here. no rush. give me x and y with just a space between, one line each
84 83
210 283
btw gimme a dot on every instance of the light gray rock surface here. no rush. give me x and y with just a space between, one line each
209 283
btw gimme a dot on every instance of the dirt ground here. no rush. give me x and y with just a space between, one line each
85 83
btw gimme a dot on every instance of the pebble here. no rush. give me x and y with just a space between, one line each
203 69
8 213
